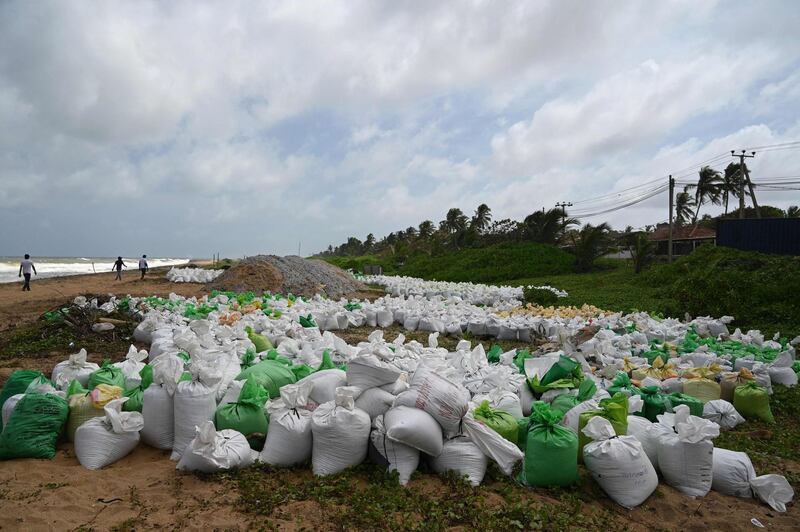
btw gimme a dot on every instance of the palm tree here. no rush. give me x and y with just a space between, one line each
592 243
709 188
642 251
793 212
455 220
481 218
546 226
426 229
732 183
683 206
369 243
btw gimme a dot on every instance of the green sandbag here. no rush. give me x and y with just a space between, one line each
519 359
327 362
301 371
307 321
551 451
75 388
622 383
493 356
272 354
499 421
185 376
566 402
107 374
270 374
248 359
752 402
562 369
695 405
18 382
261 342
522 432
655 403
247 414
136 395
34 427
614 409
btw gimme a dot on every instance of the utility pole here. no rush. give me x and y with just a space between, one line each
564 205
745 179
671 208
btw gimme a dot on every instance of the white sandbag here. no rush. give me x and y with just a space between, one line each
289 436
571 418
232 393
158 412
211 451
397 387
732 473
384 318
340 434
500 399
369 371
774 490
325 383
781 371
101 441
402 458
526 398
504 453
463 457
131 366
722 413
640 428
74 368
144 331
686 458
9 405
415 428
443 399
195 403
549 395
673 385
618 464
375 402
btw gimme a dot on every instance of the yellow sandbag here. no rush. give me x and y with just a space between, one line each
703 389
82 408
732 379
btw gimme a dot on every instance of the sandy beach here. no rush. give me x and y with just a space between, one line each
144 491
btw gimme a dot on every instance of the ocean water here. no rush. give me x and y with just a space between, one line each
61 266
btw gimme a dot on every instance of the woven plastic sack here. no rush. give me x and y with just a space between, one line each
752 402
566 402
211 451
101 441
82 408
685 457
34 427
270 374
703 389
464 458
194 402
107 374
415 428
732 472
74 368
401 458
551 453
341 434
375 402
614 409
723 414
158 411
132 366
17 383
655 403
695 405
289 438
135 395
501 422
246 415
618 464
443 399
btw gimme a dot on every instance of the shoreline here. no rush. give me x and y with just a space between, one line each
19 308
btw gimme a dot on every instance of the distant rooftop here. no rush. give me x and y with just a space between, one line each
685 232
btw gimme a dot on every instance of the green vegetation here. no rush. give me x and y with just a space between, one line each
492 264
367 498
539 296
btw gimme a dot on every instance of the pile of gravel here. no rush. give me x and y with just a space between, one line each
285 275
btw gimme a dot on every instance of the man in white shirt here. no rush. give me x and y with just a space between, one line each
143 265
25 268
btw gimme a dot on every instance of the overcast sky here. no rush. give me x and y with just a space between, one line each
186 128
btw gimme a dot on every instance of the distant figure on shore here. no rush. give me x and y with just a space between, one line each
143 265
118 265
25 268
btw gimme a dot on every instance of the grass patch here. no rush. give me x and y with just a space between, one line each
367 498
769 444
492 264
45 336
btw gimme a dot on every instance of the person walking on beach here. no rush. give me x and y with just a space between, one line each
143 265
118 265
25 268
